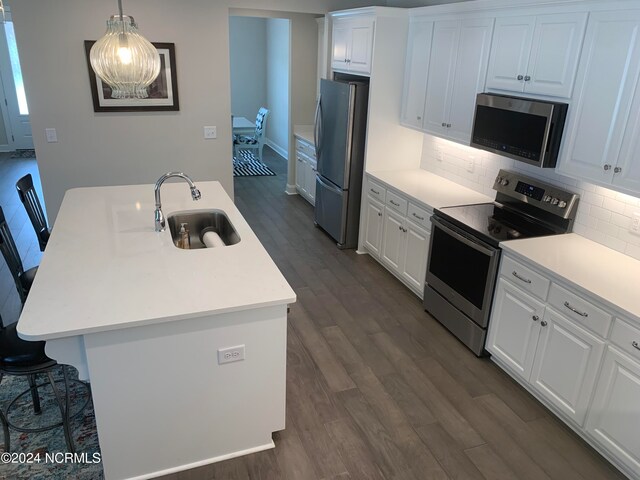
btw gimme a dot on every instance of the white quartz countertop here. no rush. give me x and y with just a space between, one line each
428 188
305 132
612 277
105 267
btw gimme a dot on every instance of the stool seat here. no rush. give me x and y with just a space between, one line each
18 354
27 277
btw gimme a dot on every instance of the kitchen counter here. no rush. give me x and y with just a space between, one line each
185 349
104 248
429 189
612 277
304 132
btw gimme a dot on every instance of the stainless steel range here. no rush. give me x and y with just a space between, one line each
465 253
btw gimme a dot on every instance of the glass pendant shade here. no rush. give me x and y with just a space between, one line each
124 59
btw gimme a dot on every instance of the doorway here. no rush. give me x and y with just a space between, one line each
15 128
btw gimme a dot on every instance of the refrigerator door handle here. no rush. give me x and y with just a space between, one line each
316 130
327 185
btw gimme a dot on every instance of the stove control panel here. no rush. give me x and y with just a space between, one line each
531 190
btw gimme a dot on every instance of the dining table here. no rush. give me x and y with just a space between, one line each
243 126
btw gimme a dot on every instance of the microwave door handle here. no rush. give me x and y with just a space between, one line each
467 241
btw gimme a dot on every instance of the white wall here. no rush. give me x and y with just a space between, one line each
112 149
604 215
278 85
248 63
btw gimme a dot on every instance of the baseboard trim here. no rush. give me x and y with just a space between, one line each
291 190
277 148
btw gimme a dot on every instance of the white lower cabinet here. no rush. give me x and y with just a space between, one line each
553 341
306 166
396 232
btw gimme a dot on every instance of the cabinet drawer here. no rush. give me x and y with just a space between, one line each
580 310
524 277
376 191
306 148
627 337
419 215
396 202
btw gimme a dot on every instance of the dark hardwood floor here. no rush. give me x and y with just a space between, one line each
376 388
11 169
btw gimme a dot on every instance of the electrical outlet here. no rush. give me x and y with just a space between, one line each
210 132
230 354
439 155
471 164
635 223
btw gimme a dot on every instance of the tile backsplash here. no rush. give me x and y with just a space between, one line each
604 215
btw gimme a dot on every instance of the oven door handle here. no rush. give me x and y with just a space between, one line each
470 242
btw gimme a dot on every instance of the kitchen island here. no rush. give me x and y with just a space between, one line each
144 321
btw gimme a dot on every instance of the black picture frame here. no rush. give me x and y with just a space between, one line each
163 91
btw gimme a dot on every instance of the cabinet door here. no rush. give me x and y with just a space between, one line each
510 53
613 416
469 77
340 44
393 243
566 365
361 51
415 74
440 79
311 180
607 76
553 62
414 265
373 228
301 167
514 328
627 171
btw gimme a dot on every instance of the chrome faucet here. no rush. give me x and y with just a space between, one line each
159 216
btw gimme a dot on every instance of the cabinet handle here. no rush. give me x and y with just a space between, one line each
419 118
448 125
525 280
519 77
299 159
582 314
399 228
394 203
404 230
535 318
527 78
379 214
617 170
377 193
543 323
607 167
417 216
634 344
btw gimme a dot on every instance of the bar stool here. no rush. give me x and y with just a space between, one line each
29 198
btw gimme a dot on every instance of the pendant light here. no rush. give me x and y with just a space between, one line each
124 59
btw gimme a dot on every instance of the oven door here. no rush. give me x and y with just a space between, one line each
462 269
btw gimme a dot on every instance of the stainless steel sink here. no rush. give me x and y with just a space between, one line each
199 220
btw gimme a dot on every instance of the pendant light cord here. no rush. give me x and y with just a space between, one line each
121 16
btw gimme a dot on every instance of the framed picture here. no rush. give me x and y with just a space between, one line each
163 92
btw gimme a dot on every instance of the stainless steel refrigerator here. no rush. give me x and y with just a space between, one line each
340 130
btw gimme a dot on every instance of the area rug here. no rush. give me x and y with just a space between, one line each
26 153
249 166
41 456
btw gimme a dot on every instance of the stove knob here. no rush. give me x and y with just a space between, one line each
547 198
562 204
498 179
554 201
504 182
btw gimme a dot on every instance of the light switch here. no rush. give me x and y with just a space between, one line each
210 132
52 135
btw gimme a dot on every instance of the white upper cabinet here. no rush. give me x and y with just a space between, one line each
446 67
601 132
352 44
536 54
416 68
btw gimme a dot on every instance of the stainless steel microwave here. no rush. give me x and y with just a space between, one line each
520 128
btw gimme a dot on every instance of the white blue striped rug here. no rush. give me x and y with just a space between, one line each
249 166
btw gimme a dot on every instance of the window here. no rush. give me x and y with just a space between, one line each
15 68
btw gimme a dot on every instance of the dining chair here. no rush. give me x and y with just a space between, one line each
23 279
29 198
255 141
